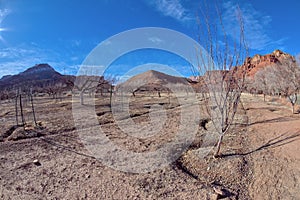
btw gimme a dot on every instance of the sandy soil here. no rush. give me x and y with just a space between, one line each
261 160
274 135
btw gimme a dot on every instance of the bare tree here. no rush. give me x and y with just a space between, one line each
250 85
261 82
111 80
285 77
89 84
131 86
54 89
85 83
221 62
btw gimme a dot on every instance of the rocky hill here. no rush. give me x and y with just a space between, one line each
36 76
253 65
153 76
258 62
152 81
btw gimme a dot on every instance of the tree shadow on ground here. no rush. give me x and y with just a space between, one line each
278 141
274 120
66 148
262 108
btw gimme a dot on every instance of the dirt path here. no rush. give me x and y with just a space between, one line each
274 135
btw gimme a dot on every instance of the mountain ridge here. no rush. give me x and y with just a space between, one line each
43 74
38 75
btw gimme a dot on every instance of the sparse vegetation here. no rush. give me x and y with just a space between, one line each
57 146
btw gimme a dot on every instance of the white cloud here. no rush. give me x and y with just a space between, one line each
74 58
68 69
3 14
17 59
256 25
76 43
155 40
15 67
171 8
16 52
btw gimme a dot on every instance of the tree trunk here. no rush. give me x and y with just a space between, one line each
296 98
293 100
110 96
81 98
217 153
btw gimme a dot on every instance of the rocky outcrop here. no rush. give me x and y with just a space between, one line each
252 65
258 62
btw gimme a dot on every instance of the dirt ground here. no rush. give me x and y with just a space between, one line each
274 135
261 160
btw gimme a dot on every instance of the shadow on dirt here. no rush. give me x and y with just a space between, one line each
66 148
279 119
281 140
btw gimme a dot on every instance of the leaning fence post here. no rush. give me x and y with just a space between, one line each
16 106
21 108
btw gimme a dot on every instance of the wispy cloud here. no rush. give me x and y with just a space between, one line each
70 69
17 59
76 43
257 25
3 14
155 40
171 8
12 53
15 67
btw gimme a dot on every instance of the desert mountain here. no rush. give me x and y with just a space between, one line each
258 62
42 75
37 76
157 77
152 80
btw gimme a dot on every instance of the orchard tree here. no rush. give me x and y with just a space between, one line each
85 83
222 63
111 80
262 81
54 89
285 76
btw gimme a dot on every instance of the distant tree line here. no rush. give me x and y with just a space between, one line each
281 79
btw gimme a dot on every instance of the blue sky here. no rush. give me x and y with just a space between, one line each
63 32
